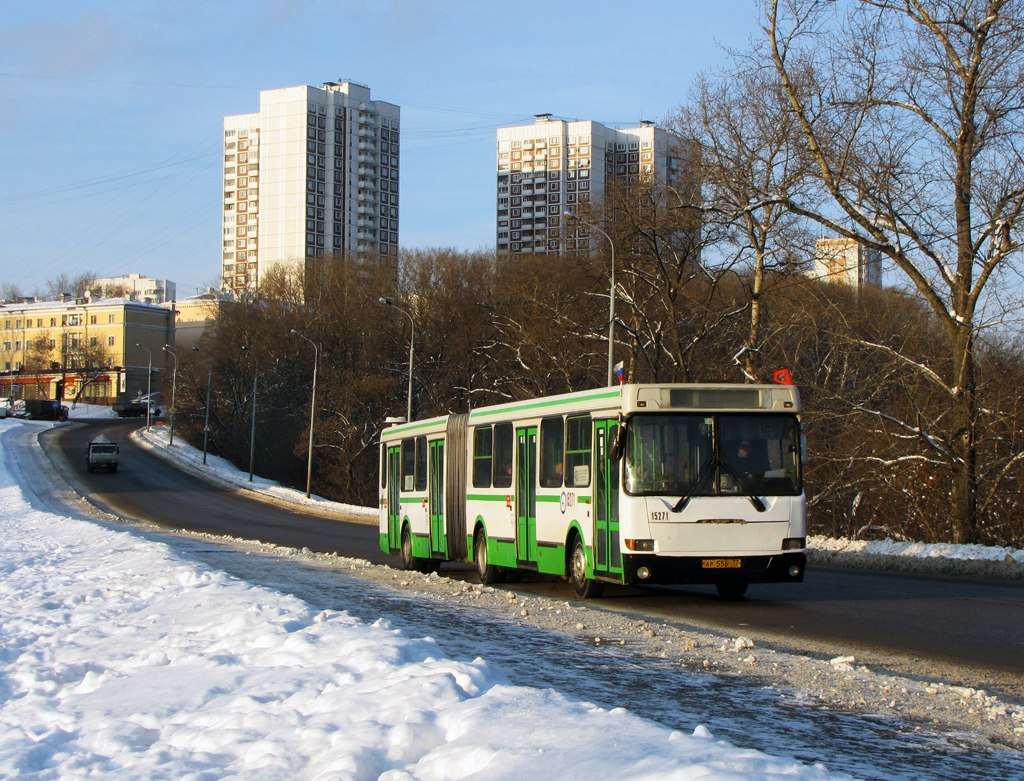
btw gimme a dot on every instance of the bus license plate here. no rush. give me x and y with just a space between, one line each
721 563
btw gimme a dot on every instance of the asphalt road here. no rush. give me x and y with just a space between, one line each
146 487
967 632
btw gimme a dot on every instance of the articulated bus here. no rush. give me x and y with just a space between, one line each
633 484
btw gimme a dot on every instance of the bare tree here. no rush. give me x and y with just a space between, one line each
752 162
9 291
911 111
65 283
86 362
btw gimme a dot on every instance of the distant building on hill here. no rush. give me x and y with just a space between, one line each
134 287
847 262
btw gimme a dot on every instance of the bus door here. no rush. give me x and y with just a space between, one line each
394 507
435 499
607 555
526 494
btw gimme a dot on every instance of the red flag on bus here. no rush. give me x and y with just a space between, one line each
782 377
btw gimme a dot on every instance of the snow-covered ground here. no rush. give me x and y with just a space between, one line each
124 658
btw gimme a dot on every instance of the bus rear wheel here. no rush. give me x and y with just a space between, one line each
585 588
487 571
731 590
409 561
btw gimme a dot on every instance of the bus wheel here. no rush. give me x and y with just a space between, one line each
408 560
487 571
584 587
731 590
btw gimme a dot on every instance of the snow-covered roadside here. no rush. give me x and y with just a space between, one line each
122 658
977 561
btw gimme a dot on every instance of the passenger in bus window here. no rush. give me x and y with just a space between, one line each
745 461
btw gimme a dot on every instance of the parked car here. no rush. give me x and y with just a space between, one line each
136 409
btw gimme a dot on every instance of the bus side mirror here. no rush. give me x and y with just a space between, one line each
619 445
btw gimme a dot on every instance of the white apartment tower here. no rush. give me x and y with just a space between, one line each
554 165
314 173
847 262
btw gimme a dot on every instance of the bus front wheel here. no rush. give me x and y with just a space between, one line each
487 571
585 588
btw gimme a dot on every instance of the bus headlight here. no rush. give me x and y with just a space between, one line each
640 545
794 543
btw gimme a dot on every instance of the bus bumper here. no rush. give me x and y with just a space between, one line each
774 568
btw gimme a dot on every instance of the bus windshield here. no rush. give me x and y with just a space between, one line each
697 454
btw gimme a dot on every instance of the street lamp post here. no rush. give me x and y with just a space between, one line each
206 418
174 388
312 412
389 301
149 385
252 428
611 293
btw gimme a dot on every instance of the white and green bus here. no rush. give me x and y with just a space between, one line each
634 484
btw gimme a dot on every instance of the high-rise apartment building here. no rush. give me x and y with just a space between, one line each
314 173
554 165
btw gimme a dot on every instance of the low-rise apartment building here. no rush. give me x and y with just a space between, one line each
95 349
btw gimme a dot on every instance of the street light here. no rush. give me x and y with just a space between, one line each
389 301
149 385
312 412
174 388
206 419
611 294
252 429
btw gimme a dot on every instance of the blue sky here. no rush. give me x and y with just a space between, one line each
112 112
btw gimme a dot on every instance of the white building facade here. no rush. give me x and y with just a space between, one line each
847 262
314 173
135 287
555 165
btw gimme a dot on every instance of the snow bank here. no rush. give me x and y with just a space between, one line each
123 659
928 559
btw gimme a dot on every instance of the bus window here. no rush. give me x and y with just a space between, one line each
503 443
421 463
383 465
759 454
408 464
699 455
552 449
482 457
577 451
670 454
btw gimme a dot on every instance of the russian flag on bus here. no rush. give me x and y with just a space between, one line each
620 372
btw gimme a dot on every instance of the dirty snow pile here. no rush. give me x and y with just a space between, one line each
123 659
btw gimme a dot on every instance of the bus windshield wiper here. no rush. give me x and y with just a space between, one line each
679 506
754 500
